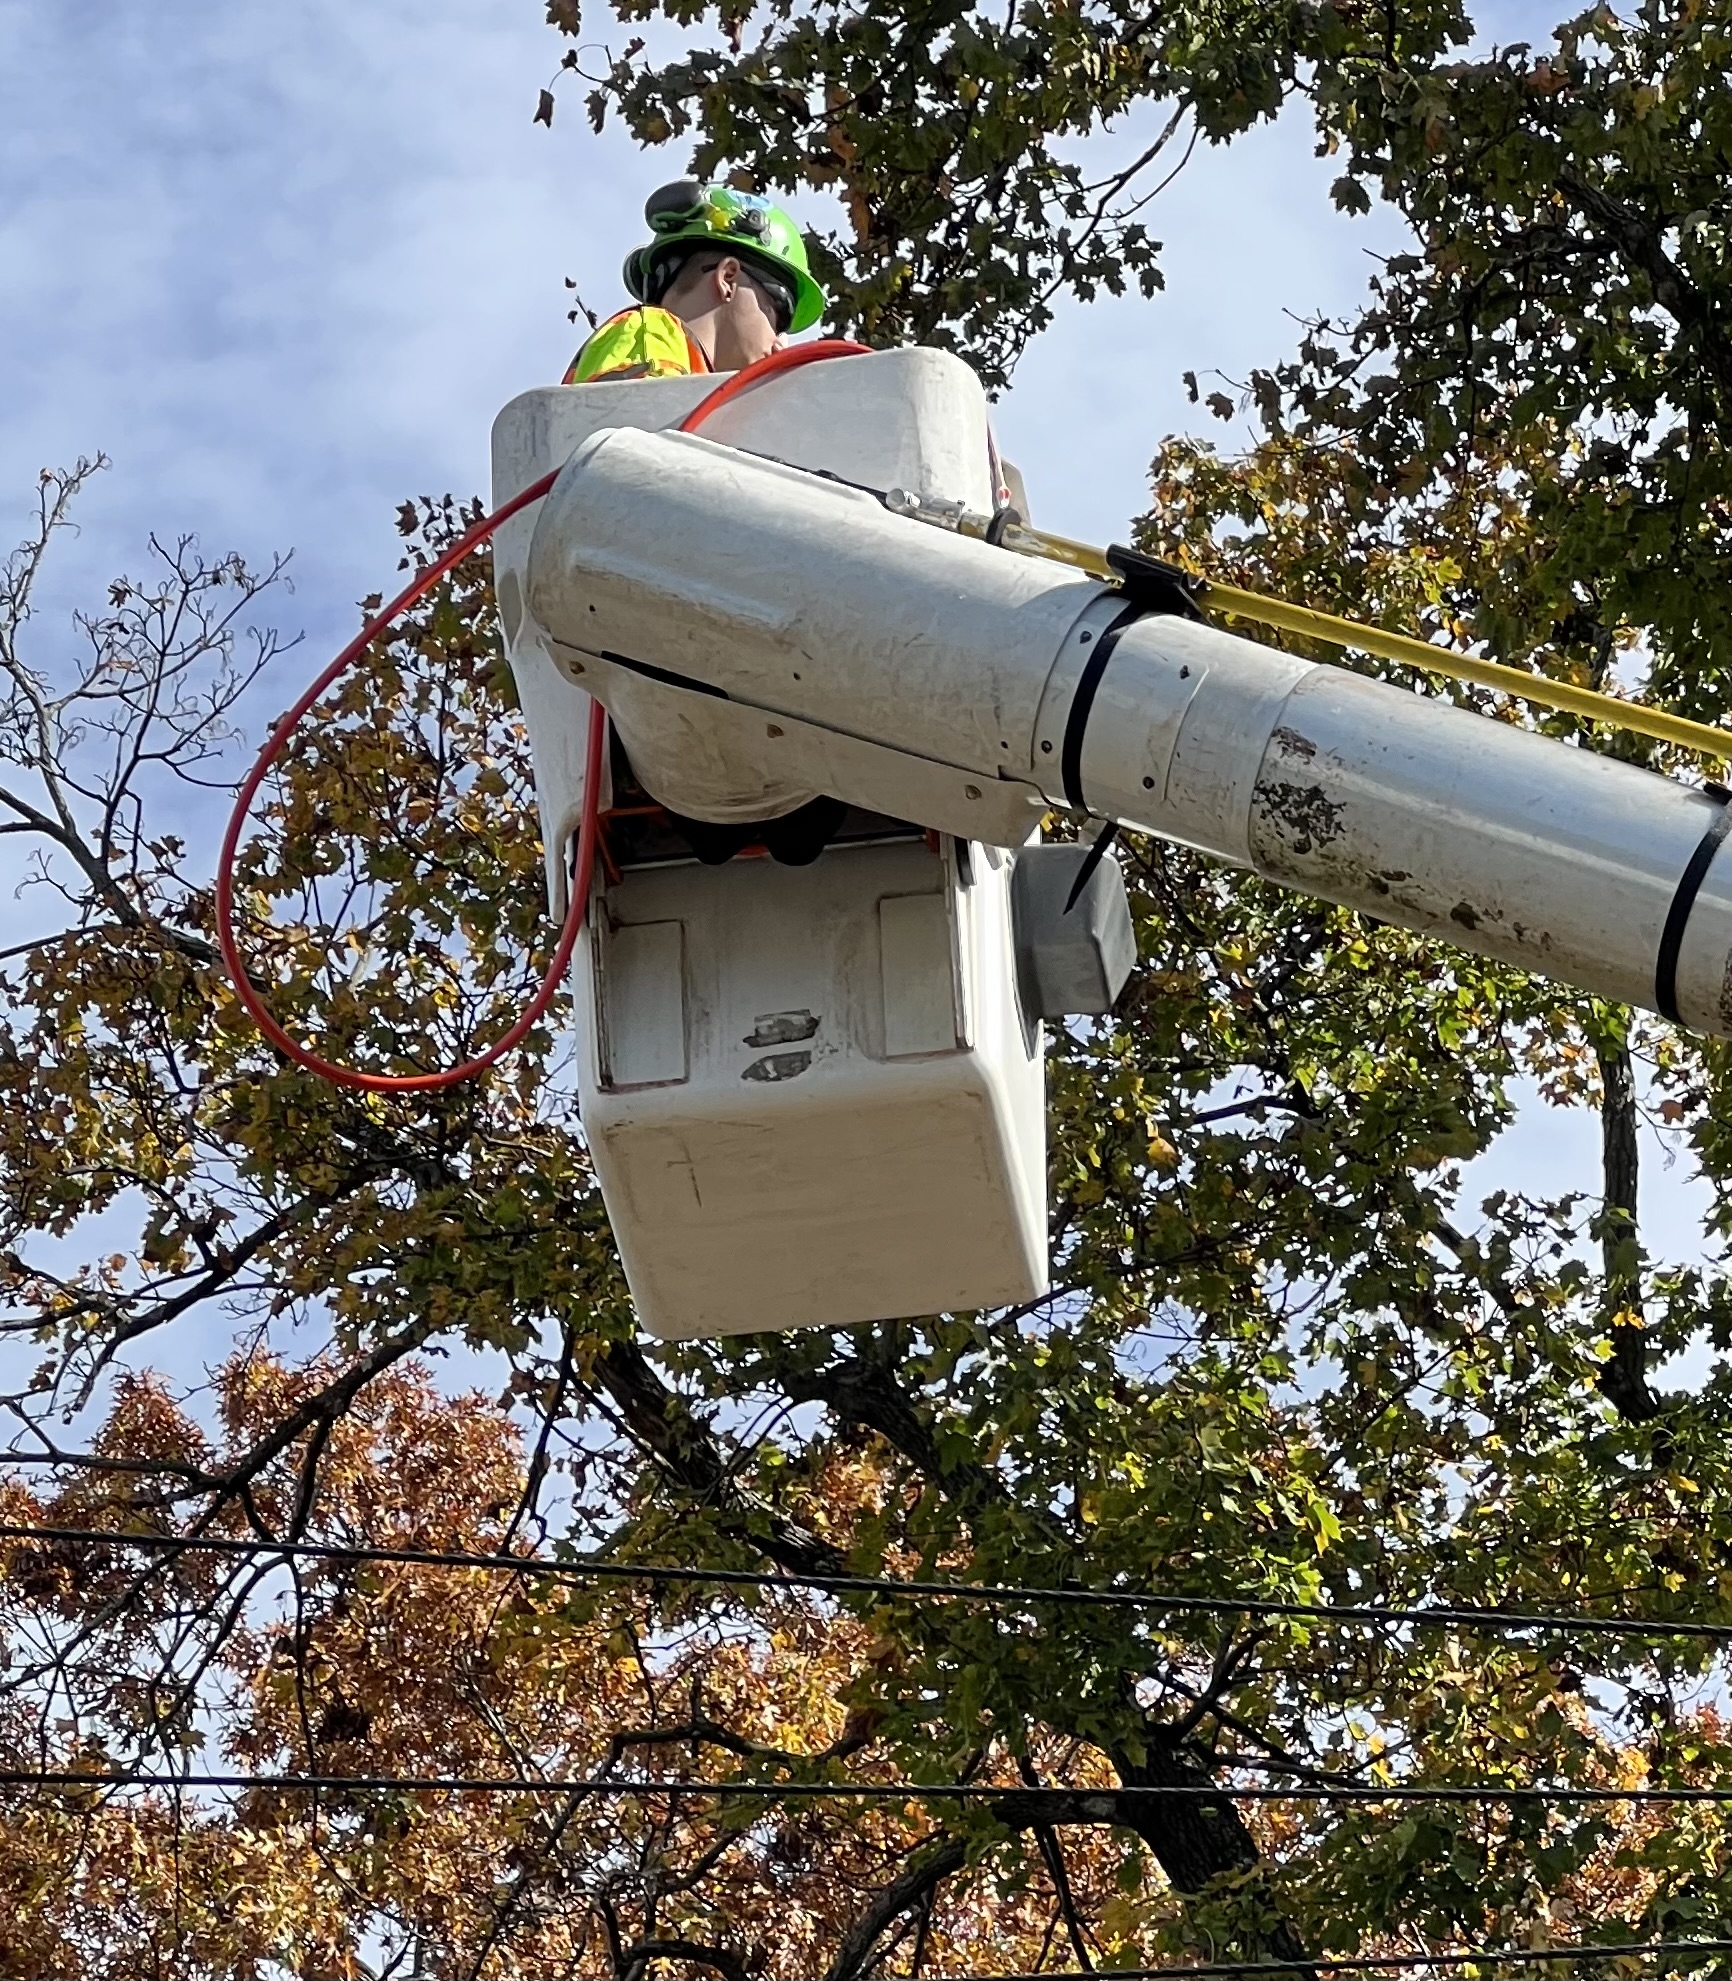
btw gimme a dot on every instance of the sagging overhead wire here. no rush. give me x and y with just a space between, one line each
1370 1963
1098 1805
1450 1616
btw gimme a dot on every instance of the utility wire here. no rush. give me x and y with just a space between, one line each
1462 1616
1357 1963
1092 1804
1367 1963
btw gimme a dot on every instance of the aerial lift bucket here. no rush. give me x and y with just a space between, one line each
813 1094
765 615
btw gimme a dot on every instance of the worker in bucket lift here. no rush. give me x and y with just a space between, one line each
719 285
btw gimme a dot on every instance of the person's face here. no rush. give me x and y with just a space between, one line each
740 312
748 318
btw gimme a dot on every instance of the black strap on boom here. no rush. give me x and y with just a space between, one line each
1683 900
1148 586
1082 702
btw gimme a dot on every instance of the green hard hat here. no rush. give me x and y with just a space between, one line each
746 224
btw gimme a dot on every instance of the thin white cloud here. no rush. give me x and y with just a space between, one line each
282 265
285 264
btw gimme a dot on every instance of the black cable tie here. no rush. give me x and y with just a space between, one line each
1147 586
1096 854
1683 900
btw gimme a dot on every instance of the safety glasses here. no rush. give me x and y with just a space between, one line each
776 294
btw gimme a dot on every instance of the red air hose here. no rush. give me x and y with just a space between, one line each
791 359
588 830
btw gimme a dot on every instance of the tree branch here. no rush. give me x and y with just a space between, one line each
1624 1377
637 1957
1640 244
688 1454
918 1878
1052 1854
711 1733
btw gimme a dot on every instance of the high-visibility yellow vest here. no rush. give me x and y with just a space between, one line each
643 342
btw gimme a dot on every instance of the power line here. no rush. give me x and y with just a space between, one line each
1367 1963
1461 1616
1353 1963
1091 1804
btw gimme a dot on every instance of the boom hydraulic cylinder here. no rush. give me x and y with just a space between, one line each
781 627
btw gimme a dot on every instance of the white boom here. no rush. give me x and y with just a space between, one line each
815 1092
794 635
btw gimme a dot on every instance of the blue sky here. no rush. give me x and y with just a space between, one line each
283 265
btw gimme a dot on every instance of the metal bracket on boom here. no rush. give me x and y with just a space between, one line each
1153 585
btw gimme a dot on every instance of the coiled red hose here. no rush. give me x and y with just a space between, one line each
583 861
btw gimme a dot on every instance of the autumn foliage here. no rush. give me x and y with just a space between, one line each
1294 1354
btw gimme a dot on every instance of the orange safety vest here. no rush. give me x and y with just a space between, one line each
641 342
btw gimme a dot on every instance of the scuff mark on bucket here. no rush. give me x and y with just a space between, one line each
778 1066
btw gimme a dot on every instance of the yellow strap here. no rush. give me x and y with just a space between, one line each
1536 688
